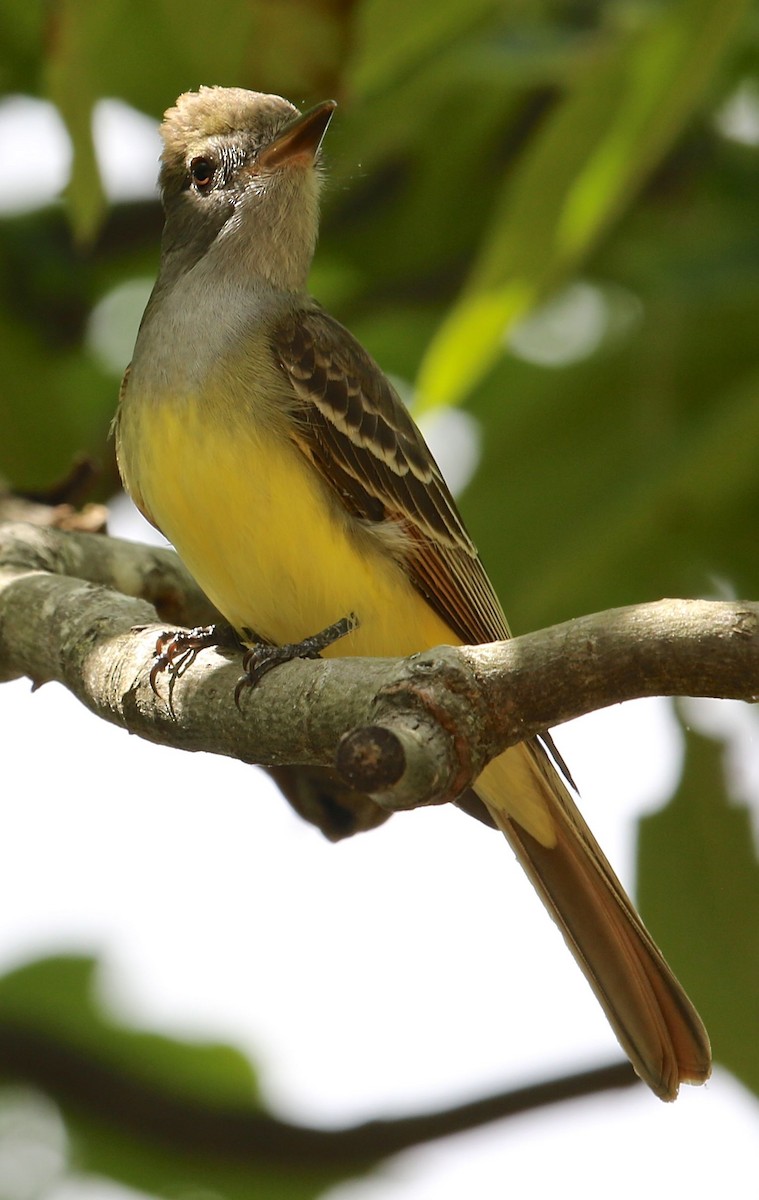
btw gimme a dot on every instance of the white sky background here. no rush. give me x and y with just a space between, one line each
407 968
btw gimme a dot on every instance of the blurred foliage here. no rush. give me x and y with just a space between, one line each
168 1117
545 210
699 871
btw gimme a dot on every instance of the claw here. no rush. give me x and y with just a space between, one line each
262 658
177 649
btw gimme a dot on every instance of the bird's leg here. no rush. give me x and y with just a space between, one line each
177 649
261 658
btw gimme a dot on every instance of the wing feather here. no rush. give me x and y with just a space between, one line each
354 426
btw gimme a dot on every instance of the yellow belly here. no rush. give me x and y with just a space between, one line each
256 527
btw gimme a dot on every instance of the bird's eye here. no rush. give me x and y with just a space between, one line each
203 171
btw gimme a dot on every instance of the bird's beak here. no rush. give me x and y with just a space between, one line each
300 138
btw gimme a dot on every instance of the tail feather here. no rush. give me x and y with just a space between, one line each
654 1020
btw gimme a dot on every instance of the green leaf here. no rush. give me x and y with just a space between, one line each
213 1074
699 890
21 28
71 87
164 47
595 151
393 38
53 382
630 474
131 1100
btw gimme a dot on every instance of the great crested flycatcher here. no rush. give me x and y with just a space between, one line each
266 444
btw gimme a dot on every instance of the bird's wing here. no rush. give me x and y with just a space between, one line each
356 430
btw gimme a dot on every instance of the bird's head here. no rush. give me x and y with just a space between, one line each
240 173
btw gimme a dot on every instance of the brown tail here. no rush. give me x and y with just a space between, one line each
654 1020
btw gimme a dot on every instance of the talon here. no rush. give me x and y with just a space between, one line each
258 660
176 651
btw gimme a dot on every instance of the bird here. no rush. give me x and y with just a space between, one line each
259 436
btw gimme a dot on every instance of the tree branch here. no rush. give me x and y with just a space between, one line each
76 1078
419 730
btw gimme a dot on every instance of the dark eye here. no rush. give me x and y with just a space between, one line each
203 171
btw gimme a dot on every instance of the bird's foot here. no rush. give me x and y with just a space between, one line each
263 657
177 649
